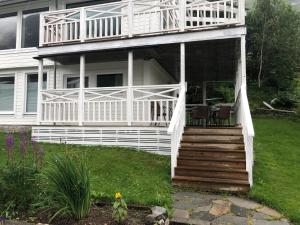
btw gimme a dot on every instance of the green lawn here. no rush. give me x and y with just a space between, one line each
277 165
142 178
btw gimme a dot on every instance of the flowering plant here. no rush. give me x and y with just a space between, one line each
119 208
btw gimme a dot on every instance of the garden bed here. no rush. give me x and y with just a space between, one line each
102 215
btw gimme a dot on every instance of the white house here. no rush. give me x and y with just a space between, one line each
116 72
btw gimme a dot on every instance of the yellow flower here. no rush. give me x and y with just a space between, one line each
118 196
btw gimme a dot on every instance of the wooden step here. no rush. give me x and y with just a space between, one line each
231 146
213 183
213 131
211 162
213 153
238 139
236 174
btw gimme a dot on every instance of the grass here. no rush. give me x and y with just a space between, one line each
277 165
142 178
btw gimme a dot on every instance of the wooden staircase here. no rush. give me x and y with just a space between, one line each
212 159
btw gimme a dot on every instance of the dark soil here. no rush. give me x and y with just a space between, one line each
102 215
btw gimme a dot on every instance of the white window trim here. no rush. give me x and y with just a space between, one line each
15 95
25 91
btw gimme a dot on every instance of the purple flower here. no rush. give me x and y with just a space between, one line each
23 143
10 145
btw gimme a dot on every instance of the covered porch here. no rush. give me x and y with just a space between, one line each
137 87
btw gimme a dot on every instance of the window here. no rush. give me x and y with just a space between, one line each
30 27
32 91
109 80
7 93
8 31
74 82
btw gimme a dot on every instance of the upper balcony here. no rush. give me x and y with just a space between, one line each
132 18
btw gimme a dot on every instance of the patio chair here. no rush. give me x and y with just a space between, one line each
200 115
223 115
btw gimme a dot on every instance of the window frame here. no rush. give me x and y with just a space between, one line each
15 93
25 90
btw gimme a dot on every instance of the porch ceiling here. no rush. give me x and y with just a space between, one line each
205 61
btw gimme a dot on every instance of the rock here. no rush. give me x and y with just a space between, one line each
180 213
244 203
232 220
220 208
240 211
158 216
158 211
270 212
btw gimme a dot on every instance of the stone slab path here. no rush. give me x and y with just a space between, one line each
205 209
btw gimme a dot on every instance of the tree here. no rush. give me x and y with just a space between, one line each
273 44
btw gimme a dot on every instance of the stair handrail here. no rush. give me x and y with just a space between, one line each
245 120
176 128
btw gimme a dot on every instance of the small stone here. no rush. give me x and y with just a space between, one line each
270 212
158 211
179 213
260 216
232 220
205 216
240 211
220 208
244 203
203 208
265 222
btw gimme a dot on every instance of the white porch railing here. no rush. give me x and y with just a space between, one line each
59 105
245 120
176 129
154 104
105 104
137 17
151 104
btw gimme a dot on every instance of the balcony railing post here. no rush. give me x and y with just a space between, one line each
182 10
130 18
82 24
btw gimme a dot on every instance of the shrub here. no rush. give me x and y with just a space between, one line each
69 184
18 185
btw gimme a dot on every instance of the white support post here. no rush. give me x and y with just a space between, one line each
182 74
243 60
129 91
42 30
204 95
242 11
130 18
182 10
81 91
40 87
82 25
182 64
